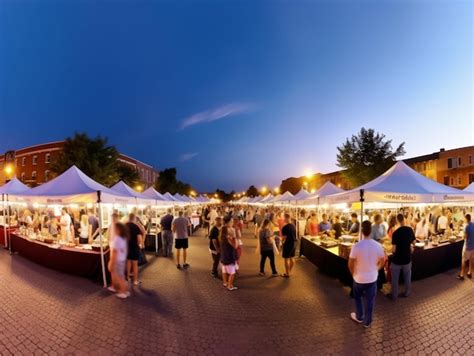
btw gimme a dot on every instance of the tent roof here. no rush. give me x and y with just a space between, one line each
286 196
124 189
154 194
326 189
469 188
267 198
401 184
14 186
74 186
301 195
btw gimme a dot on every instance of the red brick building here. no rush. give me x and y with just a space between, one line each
32 164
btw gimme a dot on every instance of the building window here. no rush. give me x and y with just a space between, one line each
23 176
459 180
35 160
46 175
33 175
446 180
452 181
23 161
459 162
470 159
471 178
47 158
424 166
450 163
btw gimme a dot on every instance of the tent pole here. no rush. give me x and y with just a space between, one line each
8 232
102 257
361 212
4 220
156 229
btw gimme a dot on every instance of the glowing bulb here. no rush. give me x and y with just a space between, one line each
264 189
277 190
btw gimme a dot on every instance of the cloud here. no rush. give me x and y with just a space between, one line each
218 113
187 156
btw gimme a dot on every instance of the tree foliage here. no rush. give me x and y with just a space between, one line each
128 174
94 157
167 182
367 155
252 191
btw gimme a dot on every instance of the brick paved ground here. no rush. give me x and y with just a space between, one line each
189 313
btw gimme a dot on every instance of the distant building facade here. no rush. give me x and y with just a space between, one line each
454 168
32 165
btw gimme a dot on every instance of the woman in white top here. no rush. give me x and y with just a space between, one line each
65 223
85 231
118 261
421 230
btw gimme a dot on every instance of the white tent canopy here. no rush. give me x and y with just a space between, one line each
14 186
285 197
469 188
124 189
326 189
301 195
72 186
401 184
154 194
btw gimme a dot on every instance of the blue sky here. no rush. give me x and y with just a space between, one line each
237 93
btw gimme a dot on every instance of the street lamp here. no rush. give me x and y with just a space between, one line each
139 188
277 190
264 189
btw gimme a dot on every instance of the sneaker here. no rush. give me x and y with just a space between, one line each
261 273
367 326
137 283
354 317
122 295
214 275
186 265
469 275
112 289
274 274
233 288
225 285
461 278
178 266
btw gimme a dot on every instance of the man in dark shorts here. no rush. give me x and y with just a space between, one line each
135 243
214 247
166 234
180 228
289 245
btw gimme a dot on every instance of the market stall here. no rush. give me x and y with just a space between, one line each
399 187
14 186
70 190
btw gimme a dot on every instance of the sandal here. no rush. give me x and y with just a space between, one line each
231 289
284 275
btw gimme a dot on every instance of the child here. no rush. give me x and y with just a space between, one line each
118 261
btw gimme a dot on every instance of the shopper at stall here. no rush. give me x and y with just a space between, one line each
135 243
266 244
336 227
111 230
367 257
324 225
228 246
166 223
237 227
403 240
214 247
421 229
355 226
117 262
378 229
289 245
84 230
180 227
94 223
442 223
468 249
66 226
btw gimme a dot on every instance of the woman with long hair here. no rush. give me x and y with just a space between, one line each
228 245
118 261
266 240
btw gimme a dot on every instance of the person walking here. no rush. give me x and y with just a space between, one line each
228 246
289 245
267 241
166 223
403 240
180 227
468 249
118 260
214 247
135 243
366 258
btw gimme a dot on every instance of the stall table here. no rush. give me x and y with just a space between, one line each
2 235
84 263
426 262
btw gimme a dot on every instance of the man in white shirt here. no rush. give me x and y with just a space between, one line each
366 258
442 224
66 225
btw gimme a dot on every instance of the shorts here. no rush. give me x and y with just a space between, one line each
289 250
229 269
180 244
119 268
467 255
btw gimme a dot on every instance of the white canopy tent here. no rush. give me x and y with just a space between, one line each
124 189
400 185
469 188
282 198
326 189
14 186
158 197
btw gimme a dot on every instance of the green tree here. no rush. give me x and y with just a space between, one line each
93 156
252 191
128 174
367 155
167 182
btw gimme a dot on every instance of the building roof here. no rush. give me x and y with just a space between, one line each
424 158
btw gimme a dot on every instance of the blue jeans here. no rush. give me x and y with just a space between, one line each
396 269
368 291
